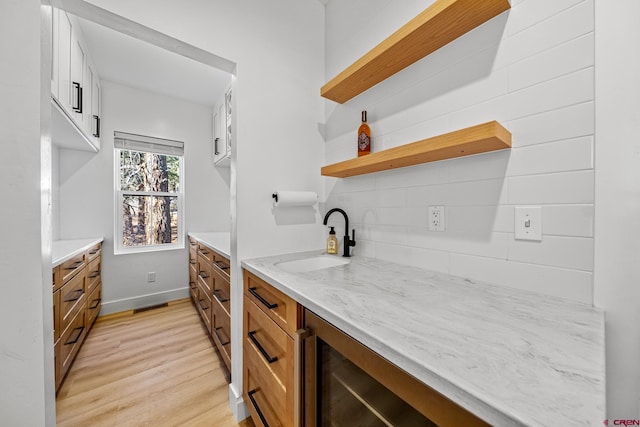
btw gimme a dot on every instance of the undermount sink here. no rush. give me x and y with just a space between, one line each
311 264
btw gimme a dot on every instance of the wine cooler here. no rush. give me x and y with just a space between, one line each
348 385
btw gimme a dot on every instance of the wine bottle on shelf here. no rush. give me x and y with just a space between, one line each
364 137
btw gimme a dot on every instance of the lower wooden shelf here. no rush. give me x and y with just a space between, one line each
483 138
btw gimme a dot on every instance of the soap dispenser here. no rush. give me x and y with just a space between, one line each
332 242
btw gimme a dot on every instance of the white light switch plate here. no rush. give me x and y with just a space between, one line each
528 223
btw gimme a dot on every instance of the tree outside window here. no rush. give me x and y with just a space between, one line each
149 197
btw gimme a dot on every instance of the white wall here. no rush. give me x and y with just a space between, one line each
27 394
87 198
617 194
532 70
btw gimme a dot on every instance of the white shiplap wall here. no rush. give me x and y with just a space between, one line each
532 69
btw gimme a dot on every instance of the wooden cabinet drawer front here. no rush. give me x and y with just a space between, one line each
70 342
206 252
205 275
193 257
94 303
264 395
57 278
204 306
71 267
56 315
268 343
94 252
72 298
193 283
222 265
221 332
222 291
279 307
93 273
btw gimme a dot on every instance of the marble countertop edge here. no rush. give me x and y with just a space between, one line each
65 249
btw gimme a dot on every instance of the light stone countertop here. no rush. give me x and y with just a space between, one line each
219 241
62 250
510 357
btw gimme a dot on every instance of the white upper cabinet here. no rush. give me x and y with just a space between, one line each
222 116
75 87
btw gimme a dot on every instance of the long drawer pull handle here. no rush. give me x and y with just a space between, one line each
261 299
204 252
97 303
94 274
257 408
75 265
78 292
216 293
261 349
75 340
93 252
204 276
192 283
192 261
215 331
203 308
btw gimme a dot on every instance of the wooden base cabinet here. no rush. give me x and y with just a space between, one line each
270 336
210 290
77 299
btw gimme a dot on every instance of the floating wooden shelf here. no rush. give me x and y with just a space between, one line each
438 25
477 139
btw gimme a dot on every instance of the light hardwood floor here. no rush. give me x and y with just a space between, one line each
155 368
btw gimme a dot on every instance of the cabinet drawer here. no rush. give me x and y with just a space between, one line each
203 304
279 307
56 316
222 266
221 332
264 395
94 304
268 344
71 267
93 273
57 278
193 283
72 298
193 257
94 252
205 274
70 342
222 291
206 252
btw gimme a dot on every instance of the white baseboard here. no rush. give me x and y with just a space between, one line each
236 402
109 307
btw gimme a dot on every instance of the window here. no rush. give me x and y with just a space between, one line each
149 207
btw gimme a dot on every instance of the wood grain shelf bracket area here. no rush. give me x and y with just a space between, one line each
483 138
438 25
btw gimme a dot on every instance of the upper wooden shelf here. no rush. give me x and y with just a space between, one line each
477 139
438 25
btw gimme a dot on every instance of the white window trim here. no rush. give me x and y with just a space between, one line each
118 247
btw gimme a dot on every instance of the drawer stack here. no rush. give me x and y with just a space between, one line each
271 320
77 297
210 289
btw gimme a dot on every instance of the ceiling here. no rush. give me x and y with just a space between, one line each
126 60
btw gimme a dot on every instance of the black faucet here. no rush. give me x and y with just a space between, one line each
348 242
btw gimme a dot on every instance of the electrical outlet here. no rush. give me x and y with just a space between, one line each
436 218
151 276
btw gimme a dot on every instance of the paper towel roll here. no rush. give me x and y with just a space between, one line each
294 198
